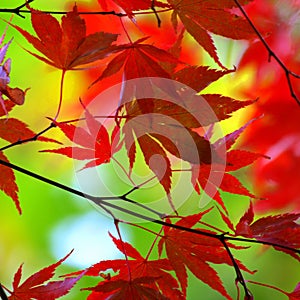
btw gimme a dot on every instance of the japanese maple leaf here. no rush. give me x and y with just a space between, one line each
35 287
94 143
13 131
187 250
16 95
138 60
8 182
130 6
279 229
236 159
119 289
66 46
203 16
157 271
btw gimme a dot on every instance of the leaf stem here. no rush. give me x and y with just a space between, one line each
63 73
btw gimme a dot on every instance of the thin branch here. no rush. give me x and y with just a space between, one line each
19 11
63 73
33 138
288 72
103 202
3 295
239 275
155 13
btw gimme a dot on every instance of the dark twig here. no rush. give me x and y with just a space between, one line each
103 202
17 10
33 138
288 72
155 13
3 295
239 275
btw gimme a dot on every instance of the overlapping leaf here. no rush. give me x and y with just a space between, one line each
157 272
94 144
35 287
236 159
203 16
66 46
187 250
279 229
13 131
138 60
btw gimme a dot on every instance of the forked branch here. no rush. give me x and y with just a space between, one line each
272 54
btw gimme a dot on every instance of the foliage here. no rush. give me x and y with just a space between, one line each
164 118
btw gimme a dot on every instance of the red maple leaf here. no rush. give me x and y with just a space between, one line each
279 229
236 159
138 60
35 287
160 281
66 46
13 131
118 289
95 144
187 250
8 182
202 17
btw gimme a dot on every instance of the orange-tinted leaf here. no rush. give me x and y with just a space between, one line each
35 287
8 183
66 46
202 17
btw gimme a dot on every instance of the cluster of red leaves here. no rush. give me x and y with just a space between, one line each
137 59
143 278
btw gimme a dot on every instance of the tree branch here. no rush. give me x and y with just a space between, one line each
239 275
288 72
33 138
19 11
102 201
